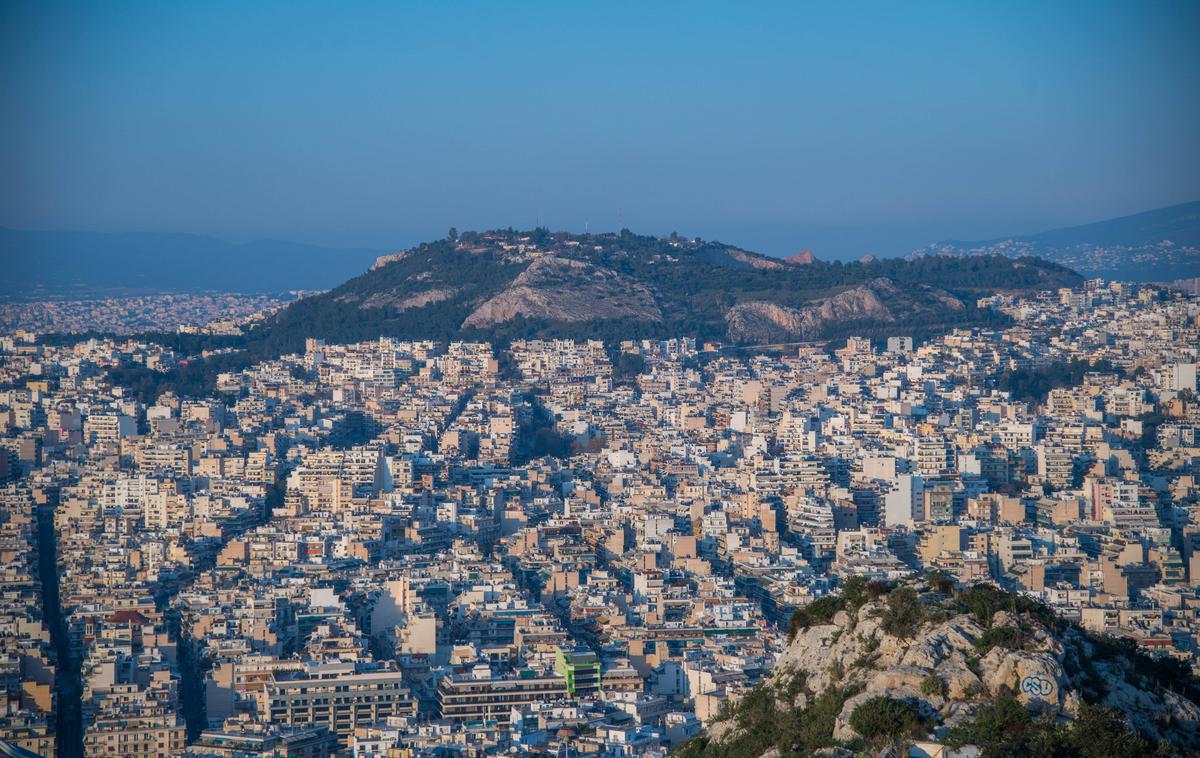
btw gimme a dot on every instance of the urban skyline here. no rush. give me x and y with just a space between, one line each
465 380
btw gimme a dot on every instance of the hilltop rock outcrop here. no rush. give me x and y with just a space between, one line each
878 301
562 289
767 322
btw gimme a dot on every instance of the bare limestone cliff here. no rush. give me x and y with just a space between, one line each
875 301
562 289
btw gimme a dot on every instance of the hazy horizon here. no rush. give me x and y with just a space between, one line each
777 128
825 242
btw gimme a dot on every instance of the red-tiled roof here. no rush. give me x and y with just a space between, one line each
127 617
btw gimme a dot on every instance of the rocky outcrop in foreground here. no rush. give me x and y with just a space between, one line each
943 667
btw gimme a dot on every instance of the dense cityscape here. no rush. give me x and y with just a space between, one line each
212 313
407 548
599 380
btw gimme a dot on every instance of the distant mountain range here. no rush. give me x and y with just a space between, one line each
55 264
1158 245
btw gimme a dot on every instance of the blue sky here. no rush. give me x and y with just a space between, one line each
843 126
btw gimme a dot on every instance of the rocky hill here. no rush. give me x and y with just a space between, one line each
877 666
1158 245
505 284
